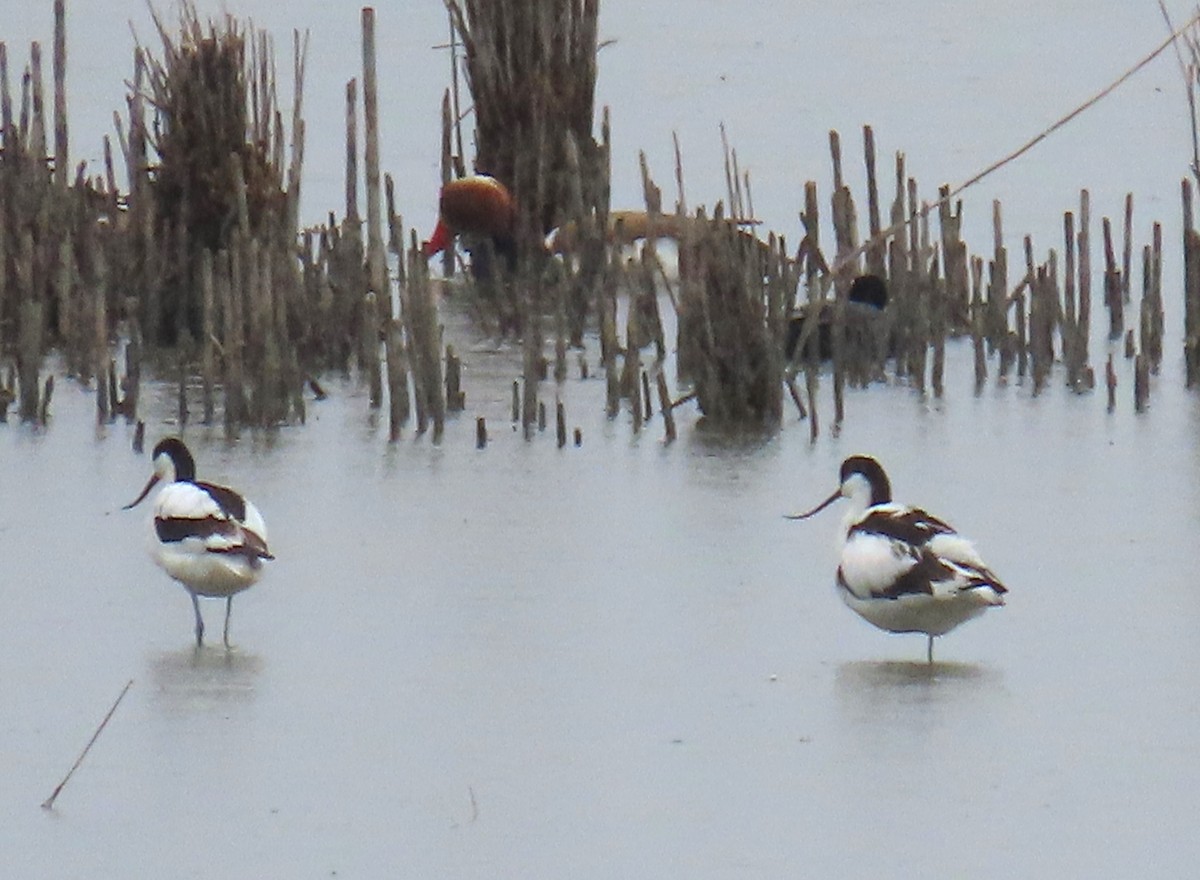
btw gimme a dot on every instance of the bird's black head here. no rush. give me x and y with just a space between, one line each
174 449
869 290
872 471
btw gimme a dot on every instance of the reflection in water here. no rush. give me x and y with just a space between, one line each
899 674
886 691
197 679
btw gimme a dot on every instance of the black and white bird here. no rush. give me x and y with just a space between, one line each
902 569
207 537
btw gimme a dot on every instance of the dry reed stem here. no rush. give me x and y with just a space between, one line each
48 803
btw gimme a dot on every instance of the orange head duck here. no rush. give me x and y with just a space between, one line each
478 206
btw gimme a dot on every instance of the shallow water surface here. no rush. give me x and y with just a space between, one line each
619 660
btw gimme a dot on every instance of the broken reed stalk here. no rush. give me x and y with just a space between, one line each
1085 276
448 254
44 406
106 403
1113 297
997 313
455 397
1191 287
665 407
1151 310
1070 329
532 354
1141 383
1189 81
811 248
1110 381
1127 252
609 344
376 264
61 161
938 294
377 281
560 334
1041 328
420 319
208 356
48 803
877 251
977 324
398 402
414 288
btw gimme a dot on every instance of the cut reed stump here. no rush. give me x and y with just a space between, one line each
1191 289
665 407
1151 310
1141 383
1113 296
456 398
421 323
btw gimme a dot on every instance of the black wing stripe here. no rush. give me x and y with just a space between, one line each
978 576
227 499
172 529
912 526
255 545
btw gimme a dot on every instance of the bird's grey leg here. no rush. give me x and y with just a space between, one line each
199 620
228 609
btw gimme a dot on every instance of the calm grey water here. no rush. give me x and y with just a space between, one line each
619 660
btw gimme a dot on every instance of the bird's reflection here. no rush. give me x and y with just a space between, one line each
879 698
892 674
197 679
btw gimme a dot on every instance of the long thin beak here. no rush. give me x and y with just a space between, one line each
439 241
828 501
149 485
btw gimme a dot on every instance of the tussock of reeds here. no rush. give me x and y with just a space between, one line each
220 144
729 322
531 69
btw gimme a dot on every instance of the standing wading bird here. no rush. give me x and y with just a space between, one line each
902 569
478 206
207 537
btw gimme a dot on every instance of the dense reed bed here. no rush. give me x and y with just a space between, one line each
223 293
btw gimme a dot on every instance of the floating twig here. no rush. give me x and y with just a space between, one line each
48 803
